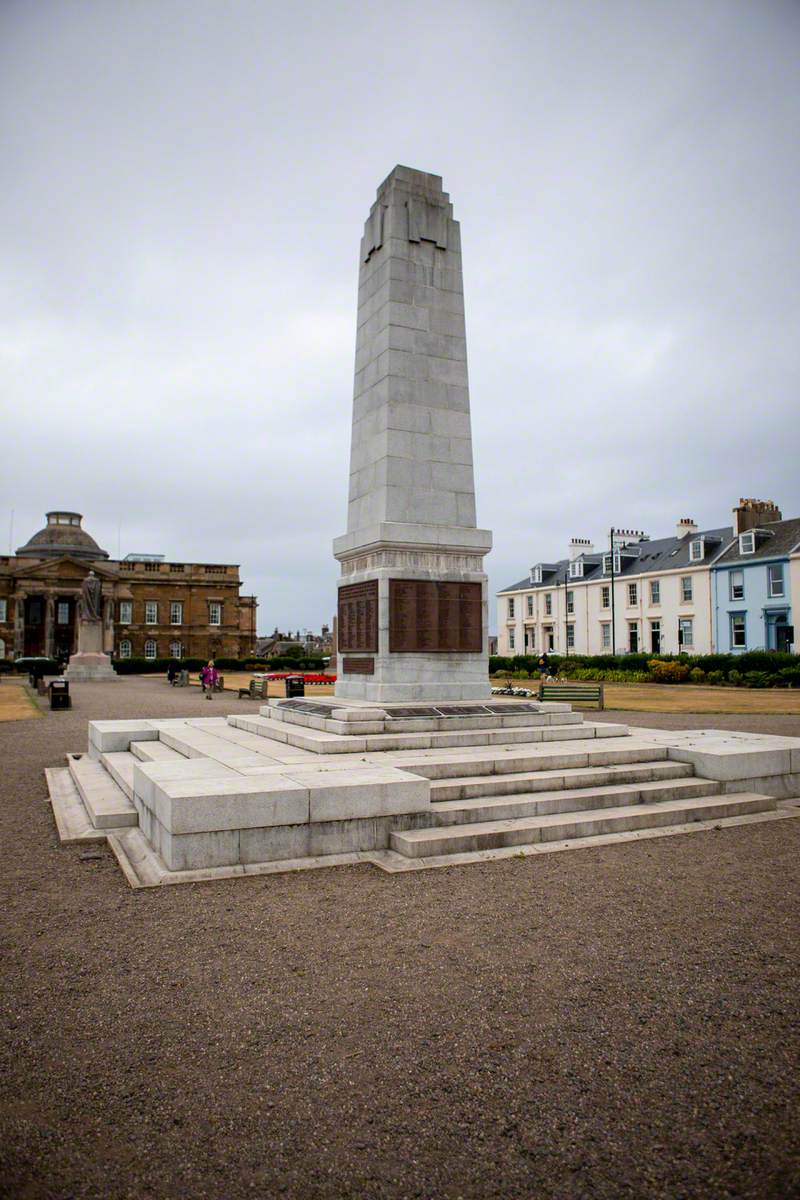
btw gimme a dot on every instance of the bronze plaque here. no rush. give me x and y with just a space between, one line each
357 624
426 615
358 666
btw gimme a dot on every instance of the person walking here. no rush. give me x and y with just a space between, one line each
209 677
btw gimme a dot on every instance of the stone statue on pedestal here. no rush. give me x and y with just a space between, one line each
91 598
90 663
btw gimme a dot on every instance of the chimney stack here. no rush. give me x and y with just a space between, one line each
579 546
752 514
686 526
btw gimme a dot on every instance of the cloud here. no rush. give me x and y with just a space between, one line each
184 191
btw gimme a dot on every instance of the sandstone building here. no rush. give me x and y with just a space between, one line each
151 608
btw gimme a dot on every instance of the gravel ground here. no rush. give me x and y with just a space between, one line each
605 1023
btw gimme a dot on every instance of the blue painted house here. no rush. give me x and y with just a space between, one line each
751 597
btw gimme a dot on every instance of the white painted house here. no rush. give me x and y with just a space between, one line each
650 596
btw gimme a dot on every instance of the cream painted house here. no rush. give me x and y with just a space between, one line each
648 596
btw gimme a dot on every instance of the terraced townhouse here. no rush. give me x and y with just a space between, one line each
697 592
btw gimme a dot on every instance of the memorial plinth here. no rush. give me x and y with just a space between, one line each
413 595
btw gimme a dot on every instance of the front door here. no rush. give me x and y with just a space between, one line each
655 637
633 638
64 633
34 626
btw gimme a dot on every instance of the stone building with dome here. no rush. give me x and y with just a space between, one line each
151 608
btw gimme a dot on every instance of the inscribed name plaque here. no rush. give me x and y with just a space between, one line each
358 666
357 624
426 615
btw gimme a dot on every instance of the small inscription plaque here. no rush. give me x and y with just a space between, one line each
357 624
358 666
433 616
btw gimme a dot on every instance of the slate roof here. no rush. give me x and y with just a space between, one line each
783 537
663 554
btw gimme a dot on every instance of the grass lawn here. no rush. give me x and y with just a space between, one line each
634 697
17 702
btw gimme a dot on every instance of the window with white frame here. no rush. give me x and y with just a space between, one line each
176 649
125 612
176 613
747 542
686 633
609 562
2 648
570 637
124 648
605 596
548 603
529 600
633 594
738 631
775 586
536 573
576 569
510 610
570 602
687 590
150 649
62 612
605 630
3 609
655 591
151 613
215 611
511 639
696 550
736 585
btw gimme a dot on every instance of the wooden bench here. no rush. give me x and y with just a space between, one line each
573 693
256 691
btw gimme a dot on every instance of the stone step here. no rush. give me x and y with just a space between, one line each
154 752
568 800
534 759
472 786
106 802
489 835
119 765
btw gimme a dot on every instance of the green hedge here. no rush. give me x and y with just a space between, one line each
756 668
158 666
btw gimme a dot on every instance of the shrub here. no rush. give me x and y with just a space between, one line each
668 672
758 679
734 677
696 675
715 677
790 676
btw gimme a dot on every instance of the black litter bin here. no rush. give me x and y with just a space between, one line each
59 694
295 686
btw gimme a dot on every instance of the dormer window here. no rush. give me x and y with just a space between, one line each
696 550
536 573
747 542
607 564
576 569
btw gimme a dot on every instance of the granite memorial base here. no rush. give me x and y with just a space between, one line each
407 787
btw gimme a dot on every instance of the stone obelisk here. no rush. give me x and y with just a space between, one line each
412 612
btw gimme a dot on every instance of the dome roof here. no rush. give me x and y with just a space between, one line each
62 535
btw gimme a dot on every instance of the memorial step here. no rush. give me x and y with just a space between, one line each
106 802
562 827
119 765
569 800
472 786
154 752
477 762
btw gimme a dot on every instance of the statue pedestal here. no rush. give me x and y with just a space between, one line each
90 664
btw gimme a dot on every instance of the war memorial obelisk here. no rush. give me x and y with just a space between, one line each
413 595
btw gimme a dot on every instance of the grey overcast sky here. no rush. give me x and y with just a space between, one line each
184 186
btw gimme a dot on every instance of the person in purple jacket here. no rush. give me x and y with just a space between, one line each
209 677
